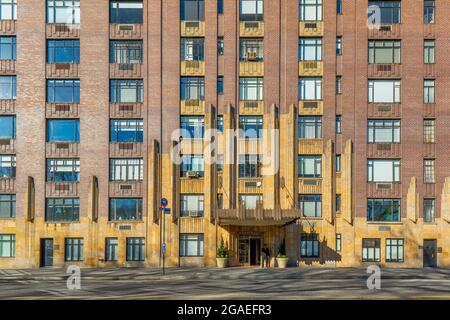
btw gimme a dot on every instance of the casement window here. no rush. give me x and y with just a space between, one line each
7 206
338 84
219 6
309 245
383 170
8 9
309 127
74 248
128 52
429 171
251 127
63 170
310 88
338 202
125 209
339 6
219 85
62 210
192 127
220 47
310 10
429 91
383 210
250 201
7 87
191 205
310 205
63 11
429 48
219 162
135 249
192 10
310 49
251 89
338 46
7 127
126 169
429 11
126 130
429 210
7 48
371 251
309 166
7 245
192 166
338 242
384 91
60 91
394 250
191 245
338 124
192 49
192 88
63 51
126 91
220 124
383 131
390 11
338 163
429 130
7 166
63 130
111 249
387 51
220 201
126 12
251 49
252 10
249 166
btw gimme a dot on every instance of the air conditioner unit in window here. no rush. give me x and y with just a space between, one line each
194 214
192 174
126 27
385 28
251 56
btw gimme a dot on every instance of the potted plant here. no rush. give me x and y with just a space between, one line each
282 258
222 255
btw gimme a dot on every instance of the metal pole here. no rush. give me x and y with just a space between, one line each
164 245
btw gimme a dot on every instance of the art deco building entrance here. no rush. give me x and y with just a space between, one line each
249 250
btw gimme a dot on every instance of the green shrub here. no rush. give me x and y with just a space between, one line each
282 250
222 250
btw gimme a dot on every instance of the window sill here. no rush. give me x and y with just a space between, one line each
8 219
61 222
125 221
385 222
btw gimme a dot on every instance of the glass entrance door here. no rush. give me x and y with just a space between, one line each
249 250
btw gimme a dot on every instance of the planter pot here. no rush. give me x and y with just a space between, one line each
222 262
282 262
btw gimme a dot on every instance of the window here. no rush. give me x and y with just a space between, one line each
192 165
63 170
126 11
192 10
390 11
339 6
192 127
7 166
192 88
7 245
8 9
252 10
338 163
338 242
63 51
192 49
126 91
310 10
383 210
191 245
220 46
251 50
7 206
428 91
429 47
7 127
310 205
7 87
191 205
371 250
251 127
66 130
309 166
250 201
429 130
251 89
125 52
7 48
62 210
383 131
310 88
309 127
111 253
384 91
220 85
310 49
74 249
338 46
219 6
219 163
394 250
428 171
309 245
125 209
63 91
126 169
135 249
428 11
383 170
387 51
338 84
249 166
338 124
63 11
338 202
429 210
220 123
127 130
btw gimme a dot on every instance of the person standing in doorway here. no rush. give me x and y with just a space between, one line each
267 251
263 257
